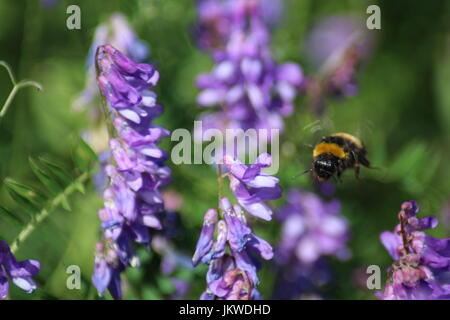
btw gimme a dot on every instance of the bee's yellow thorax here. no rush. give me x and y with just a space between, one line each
326 147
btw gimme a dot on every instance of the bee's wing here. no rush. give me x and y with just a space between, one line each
316 130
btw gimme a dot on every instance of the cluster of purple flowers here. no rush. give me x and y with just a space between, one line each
215 20
132 202
20 272
117 32
246 86
311 229
232 273
422 263
336 46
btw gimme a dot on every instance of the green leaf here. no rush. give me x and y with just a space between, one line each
47 179
63 176
10 217
84 156
29 199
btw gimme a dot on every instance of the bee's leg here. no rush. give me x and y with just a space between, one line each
339 176
357 169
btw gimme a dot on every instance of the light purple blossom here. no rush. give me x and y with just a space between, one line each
246 87
312 229
215 20
231 276
422 263
19 272
251 187
107 269
336 46
117 32
132 201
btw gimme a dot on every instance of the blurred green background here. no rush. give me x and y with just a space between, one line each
402 113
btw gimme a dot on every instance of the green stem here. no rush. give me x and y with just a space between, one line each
108 118
10 73
16 87
44 213
12 94
219 185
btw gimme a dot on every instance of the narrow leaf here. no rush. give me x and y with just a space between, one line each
84 156
63 176
65 203
10 217
24 193
45 178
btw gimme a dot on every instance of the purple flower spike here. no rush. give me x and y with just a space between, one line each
132 201
231 275
252 187
312 228
19 272
248 89
421 267
118 33
336 46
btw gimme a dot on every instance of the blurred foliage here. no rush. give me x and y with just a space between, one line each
402 113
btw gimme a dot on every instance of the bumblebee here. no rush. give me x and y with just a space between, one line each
336 153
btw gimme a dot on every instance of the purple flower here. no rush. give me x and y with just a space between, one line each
247 88
422 263
107 269
231 275
215 20
205 242
20 272
132 201
336 46
251 187
117 32
311 230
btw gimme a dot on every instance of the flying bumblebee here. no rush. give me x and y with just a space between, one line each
336 153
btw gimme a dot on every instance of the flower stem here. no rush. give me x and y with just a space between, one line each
219 185
108 118
16 87
44 213
404 236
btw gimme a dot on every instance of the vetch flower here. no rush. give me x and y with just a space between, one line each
117 32
205 242
336 46
246 87
232 275
251 187
422 263
132 200
19 272
107 269
215 20
312 229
